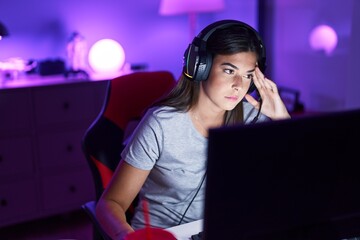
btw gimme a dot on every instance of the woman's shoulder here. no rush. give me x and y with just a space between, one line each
164 112
247 107
166 116
250 112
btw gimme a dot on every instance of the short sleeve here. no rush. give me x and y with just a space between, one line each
144 146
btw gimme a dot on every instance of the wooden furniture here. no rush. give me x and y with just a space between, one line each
42 168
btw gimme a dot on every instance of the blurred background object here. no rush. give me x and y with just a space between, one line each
323 37
76 52
107 57
12 68
3 31
191 8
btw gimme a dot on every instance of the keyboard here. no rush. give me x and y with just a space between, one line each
197 236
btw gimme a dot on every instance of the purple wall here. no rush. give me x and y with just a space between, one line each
353 80
324 80
40 29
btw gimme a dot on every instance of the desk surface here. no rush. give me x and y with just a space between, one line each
32 80
185 231
36 80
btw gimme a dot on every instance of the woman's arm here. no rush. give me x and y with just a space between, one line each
116 199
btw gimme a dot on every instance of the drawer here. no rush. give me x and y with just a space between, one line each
17 201
61 150
64 104
16 156
15 109
67 191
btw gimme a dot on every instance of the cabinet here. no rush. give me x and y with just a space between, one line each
42 168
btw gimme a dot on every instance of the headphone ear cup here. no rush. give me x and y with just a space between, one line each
197 61
191 59
204 67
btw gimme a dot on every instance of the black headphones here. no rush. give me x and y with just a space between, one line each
197 61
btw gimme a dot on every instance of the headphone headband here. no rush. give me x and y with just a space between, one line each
198 61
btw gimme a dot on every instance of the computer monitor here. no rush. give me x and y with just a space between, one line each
285 180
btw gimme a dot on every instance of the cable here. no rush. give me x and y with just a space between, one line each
202 181
258 113
193 198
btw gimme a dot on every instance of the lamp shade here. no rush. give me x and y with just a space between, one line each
3 31
174 7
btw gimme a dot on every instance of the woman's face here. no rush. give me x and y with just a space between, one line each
229 80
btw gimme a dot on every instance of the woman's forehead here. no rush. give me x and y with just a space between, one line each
237 60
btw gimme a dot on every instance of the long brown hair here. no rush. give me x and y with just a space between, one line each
225 41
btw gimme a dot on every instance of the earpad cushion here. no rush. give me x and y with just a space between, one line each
190 61
204 67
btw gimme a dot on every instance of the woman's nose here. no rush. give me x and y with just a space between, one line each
238 81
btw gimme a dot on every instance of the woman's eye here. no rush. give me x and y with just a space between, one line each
248 76
229 71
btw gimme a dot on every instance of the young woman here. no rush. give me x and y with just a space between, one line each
164 162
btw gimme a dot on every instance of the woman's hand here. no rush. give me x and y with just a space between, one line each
272 104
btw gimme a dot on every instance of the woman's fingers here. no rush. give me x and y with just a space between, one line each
262 83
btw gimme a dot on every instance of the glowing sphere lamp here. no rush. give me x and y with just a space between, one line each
106 56
323 37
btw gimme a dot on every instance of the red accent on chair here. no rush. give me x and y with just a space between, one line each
138 91
104 171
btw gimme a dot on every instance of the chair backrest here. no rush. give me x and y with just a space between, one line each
127 98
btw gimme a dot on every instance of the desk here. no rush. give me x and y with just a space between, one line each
185 231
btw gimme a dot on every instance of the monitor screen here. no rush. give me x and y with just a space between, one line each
285 180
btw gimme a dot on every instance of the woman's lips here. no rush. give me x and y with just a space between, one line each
232 98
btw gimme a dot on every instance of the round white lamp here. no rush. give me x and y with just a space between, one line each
106 57
323 37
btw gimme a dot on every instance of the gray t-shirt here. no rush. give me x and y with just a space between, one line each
167 143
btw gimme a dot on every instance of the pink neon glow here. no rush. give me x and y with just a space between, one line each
173 7
106 56
323 37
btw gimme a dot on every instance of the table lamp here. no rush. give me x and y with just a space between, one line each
107 57
190 7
